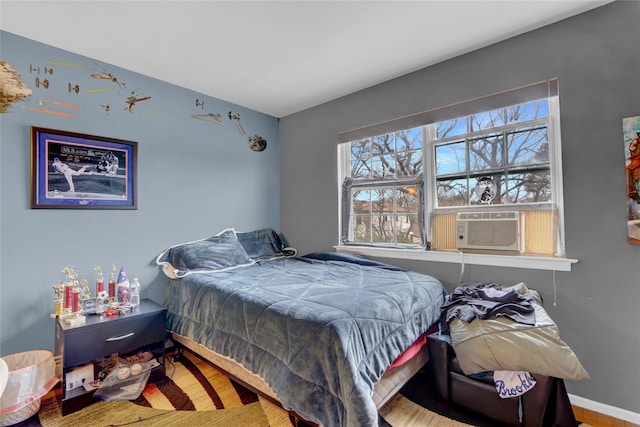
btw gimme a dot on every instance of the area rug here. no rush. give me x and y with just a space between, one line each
196 394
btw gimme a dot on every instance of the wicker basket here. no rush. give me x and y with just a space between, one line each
31 376
20 415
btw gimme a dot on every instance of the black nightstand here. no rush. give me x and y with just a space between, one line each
143 328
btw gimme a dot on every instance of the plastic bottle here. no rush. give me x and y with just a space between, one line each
135 293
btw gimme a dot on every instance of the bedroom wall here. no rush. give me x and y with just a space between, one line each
195 178
596 57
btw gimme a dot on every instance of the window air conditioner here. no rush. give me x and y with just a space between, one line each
488 231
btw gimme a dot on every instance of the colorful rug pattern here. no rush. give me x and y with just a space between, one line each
197 394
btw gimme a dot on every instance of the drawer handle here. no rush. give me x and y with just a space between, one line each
121 337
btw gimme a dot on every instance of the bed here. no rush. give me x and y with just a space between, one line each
330 336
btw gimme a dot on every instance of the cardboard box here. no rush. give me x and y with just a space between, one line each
78 376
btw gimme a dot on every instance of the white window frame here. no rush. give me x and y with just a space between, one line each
427 119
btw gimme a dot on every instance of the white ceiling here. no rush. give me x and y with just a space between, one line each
278 57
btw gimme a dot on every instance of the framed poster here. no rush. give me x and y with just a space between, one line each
77 171
631 132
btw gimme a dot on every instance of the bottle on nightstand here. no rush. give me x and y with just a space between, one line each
135 293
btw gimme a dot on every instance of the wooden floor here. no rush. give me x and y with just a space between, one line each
420 392
599 420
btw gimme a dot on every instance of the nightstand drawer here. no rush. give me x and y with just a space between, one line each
118 336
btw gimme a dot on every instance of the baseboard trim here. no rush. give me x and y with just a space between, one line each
612 411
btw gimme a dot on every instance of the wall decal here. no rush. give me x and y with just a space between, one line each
109 76
12 89
257 143
61 104
43 110
132 100
77 80
54 103
34 69
100 90
210 117
236 117
631 136
45 83
65 64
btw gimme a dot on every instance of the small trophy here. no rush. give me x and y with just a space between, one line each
99 280
112 285
58 298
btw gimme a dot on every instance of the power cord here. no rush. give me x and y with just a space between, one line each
140 419
173 366
554 288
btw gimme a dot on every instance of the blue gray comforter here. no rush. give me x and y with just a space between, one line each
320 329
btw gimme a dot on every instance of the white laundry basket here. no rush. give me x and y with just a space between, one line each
31 376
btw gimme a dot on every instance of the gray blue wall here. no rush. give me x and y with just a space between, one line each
596 57
195 178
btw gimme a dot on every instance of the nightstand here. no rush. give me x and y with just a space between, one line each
143 328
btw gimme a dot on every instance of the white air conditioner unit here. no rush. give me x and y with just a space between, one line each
488 231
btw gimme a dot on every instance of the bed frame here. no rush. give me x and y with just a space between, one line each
390 382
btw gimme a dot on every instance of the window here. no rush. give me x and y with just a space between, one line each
384 189
405 181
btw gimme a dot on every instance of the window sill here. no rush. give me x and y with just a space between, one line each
518 261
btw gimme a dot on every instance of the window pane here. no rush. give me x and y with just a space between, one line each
529 187
528 146
530 111
383 144
487 190
360 149
361 228
361 168
407 199
361 200
449 128
382 228
408 229
451 158
382 200
487 120
409 163
454 192
486 153
383 167
410 139
360 158
379 213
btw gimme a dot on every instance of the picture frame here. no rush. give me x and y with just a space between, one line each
72 170
631 143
